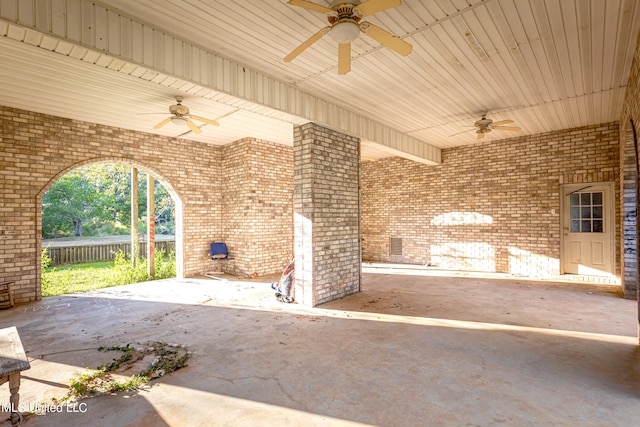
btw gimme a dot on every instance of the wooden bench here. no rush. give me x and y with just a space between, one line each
6 295
13 360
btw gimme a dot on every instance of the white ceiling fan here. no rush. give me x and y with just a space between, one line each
484 126
345 19
180 116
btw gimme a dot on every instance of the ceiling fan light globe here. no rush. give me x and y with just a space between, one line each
345 32
180 121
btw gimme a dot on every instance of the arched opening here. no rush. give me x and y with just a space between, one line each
121 169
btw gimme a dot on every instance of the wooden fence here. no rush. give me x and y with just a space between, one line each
105 252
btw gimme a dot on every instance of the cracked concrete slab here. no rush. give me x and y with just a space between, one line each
413 348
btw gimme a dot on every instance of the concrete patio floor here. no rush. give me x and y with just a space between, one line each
414 348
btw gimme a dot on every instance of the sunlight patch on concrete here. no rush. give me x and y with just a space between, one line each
206 408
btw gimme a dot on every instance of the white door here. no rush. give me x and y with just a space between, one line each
588 229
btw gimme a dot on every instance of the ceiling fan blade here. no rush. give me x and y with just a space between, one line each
344 58
480 135
386 38
162 123
193 126
370 7
311 6
311 40
202 119
506 128
502 122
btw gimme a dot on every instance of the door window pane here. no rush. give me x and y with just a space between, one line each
597 212
586 211
597 198
575 226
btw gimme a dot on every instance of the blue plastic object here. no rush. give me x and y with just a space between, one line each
219 250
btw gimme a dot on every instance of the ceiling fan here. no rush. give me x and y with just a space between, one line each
485 125
180 116
345 19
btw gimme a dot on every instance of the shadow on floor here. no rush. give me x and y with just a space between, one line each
407 350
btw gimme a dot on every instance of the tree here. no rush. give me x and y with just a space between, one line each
164 209
70 202
96 199
113 181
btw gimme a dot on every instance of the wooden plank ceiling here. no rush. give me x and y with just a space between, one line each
545 64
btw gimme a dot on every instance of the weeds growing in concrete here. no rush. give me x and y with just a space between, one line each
168 358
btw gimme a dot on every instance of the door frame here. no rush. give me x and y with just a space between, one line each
609 211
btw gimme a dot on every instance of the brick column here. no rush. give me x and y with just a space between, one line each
628 191
327 214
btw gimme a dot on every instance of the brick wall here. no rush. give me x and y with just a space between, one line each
492 206
326 203
631 109
35 150
257 206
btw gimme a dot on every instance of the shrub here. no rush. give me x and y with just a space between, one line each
45 262
165 264
125 272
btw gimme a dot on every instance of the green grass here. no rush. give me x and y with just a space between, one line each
97 275
77 278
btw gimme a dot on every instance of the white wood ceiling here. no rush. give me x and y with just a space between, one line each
545 64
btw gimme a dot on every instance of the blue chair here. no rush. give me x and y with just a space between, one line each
219 252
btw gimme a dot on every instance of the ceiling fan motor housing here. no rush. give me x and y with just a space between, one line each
483 122
179 110
343 5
